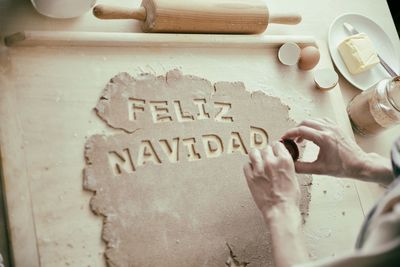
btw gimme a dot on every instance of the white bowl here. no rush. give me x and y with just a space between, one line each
63 9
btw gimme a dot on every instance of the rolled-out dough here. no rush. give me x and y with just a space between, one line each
170 186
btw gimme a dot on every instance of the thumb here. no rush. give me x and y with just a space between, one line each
307 167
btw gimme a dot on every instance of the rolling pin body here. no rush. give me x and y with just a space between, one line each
205 16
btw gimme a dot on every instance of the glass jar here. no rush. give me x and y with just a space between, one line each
377 108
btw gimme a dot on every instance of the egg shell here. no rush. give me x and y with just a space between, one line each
326 79
289 54
309 57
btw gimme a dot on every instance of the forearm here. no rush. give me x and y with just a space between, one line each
376 168
284 223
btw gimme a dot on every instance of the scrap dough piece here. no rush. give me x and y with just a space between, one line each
170 186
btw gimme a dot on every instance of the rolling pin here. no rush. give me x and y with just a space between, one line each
200 16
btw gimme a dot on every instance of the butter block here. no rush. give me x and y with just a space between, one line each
358 53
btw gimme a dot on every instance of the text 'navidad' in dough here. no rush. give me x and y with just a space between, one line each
126 160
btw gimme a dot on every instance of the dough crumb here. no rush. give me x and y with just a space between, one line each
232 261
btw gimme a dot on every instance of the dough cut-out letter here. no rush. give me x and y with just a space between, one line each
171 149
212 145
121 162
223 111
191 148
181 115
258 137
202 115
135 105
159 111
236 144
147 154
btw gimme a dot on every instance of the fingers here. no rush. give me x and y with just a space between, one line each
256 162
315 124
307 167
328 121
248 171
318 123
269 158
266 153
303 132
281 151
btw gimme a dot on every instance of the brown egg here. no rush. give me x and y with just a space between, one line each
309 58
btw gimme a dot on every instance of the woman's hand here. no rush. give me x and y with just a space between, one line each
273 184
271 178
338 154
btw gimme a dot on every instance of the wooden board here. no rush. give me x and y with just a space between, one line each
46 99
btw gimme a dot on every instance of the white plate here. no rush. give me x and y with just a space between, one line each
380 40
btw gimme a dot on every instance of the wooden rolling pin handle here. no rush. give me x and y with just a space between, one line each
113 12
291 19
